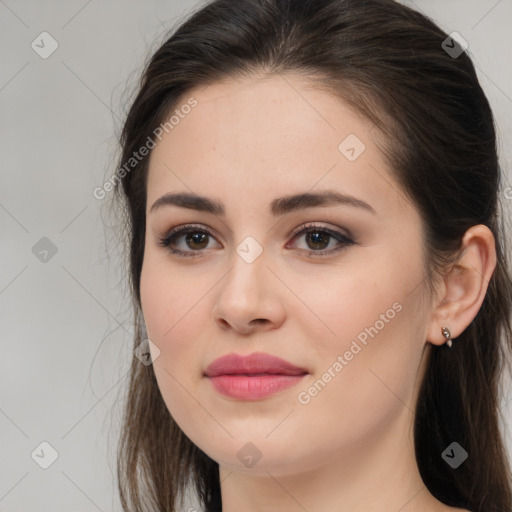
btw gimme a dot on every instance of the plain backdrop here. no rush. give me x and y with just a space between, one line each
64 311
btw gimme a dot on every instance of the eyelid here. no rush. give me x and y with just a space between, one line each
319 225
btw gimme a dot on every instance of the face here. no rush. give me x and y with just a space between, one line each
335 288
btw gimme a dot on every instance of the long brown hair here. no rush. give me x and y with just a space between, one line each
392 65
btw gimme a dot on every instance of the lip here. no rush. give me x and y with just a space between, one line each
252 377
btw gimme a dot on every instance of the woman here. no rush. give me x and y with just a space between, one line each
318 266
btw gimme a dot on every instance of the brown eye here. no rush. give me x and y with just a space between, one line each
195 240
318 238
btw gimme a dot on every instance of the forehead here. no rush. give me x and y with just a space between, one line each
268 136
265 117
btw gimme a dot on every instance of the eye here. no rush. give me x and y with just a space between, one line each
319 237
196 238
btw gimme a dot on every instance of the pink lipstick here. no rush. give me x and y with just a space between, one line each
252 377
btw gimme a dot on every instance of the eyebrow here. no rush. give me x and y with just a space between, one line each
278 206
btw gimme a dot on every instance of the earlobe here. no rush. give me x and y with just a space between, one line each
465 286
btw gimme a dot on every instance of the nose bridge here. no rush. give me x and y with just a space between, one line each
244 294
248 266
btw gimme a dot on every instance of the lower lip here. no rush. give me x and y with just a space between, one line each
255 387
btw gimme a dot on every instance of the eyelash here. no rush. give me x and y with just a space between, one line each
166 241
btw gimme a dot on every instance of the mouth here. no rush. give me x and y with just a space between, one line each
252 377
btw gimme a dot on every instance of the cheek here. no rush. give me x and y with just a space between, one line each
341 303
169 309
360 387
369 357
175 310
166 295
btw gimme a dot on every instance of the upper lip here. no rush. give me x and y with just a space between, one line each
255 363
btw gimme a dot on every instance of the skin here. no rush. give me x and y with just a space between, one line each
351 447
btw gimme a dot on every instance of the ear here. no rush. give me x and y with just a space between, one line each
463 288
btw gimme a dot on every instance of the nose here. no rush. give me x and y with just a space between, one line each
249 298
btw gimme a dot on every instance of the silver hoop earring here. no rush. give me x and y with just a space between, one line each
447 335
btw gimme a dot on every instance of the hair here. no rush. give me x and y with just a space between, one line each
388 63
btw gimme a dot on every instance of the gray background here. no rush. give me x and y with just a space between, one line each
66 333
